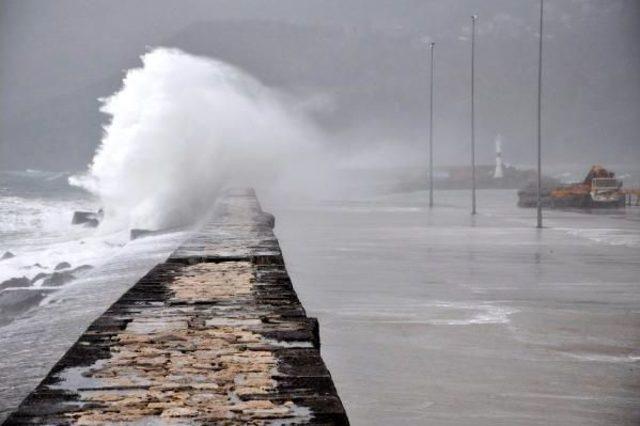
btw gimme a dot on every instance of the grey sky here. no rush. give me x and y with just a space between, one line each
365 57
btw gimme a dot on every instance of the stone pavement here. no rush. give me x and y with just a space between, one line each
215 335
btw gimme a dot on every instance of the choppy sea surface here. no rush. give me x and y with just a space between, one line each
40 321
432 316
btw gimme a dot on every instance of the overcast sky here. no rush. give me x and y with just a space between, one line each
364 56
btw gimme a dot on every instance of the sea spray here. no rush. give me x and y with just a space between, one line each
181 127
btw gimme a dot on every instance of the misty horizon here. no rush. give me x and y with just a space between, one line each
358 71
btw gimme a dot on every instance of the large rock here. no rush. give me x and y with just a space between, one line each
58 278
39 276
14 302
139 233
81 268
89 219
15 282
62 265
7 255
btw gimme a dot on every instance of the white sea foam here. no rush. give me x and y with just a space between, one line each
40 235
181 127
595 357
611 236
433 313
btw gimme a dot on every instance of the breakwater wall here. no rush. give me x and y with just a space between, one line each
215 335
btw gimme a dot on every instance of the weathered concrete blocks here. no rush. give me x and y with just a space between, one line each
215 335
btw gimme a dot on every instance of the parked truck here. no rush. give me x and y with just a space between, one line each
600 188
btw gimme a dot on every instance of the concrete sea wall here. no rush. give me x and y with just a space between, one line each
215 335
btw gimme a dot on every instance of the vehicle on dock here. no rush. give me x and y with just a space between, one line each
599 189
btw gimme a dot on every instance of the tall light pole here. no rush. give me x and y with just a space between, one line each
432 46
539 194
474 18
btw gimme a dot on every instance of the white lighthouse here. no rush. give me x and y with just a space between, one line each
498 173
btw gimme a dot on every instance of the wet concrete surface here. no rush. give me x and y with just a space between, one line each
435 317
214 335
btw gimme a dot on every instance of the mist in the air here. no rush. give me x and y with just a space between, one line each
182 127
362 67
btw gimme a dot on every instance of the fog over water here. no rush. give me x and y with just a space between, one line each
180 129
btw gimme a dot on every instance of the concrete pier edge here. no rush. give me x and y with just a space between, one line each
214 335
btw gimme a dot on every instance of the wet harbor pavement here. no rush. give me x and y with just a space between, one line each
214 335
34 342
437 317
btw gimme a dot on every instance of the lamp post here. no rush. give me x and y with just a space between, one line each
539 194
431 48
474 18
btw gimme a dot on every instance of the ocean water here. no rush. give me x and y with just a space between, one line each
35 226
36 208
432 316
38 323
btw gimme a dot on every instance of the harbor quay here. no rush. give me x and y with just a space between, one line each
214 335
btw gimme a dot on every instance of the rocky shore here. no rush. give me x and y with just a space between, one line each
215 335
